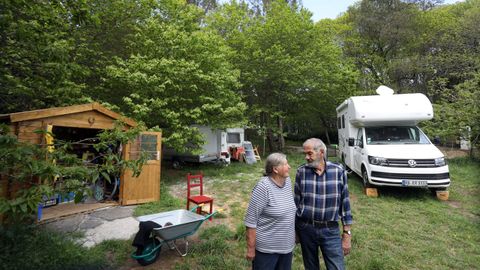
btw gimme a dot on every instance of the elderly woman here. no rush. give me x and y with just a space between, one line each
270 217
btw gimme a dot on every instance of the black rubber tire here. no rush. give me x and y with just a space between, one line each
366 184
152 243
221 163
114 192
176 165
99 190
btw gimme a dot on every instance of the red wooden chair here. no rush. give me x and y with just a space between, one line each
196 181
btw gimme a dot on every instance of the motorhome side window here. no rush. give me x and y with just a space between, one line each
360 138
343 121
233 137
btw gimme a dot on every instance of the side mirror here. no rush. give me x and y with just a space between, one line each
351 142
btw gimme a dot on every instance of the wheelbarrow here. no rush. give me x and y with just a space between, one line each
175 224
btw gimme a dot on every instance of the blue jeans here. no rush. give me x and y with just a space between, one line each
329 241
273 261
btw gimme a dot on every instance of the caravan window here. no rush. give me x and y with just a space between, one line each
233 137
343 121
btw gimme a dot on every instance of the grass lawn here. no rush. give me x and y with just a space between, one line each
401 229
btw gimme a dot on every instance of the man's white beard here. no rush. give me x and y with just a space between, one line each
314 164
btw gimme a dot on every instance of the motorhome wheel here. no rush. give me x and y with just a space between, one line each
366 184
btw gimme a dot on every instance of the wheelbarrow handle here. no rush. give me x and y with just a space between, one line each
210 215
207 216
195 208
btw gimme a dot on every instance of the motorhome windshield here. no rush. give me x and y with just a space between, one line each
395 135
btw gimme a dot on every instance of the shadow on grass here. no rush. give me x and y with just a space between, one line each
405 194
398 193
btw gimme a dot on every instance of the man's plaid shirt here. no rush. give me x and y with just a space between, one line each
323 197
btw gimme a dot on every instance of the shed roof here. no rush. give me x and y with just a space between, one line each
59 111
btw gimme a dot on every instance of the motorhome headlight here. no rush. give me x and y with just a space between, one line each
380 161
440 162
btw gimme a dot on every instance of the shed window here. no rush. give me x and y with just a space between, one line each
149 145
145 143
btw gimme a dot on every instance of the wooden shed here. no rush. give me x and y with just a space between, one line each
86 120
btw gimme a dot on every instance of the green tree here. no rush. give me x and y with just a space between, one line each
380 39
455 115
286 64
452 61
331 78
450 48
38 65
426 4
107 34
206 5
177 75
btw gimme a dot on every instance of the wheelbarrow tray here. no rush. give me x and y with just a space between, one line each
183 222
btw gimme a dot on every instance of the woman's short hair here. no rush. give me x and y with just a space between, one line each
273 160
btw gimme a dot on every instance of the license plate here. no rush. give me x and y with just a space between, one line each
414 183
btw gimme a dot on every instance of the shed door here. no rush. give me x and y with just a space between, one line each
145 187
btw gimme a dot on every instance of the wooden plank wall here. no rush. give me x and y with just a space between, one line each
142 189
25 131
89 119
145 187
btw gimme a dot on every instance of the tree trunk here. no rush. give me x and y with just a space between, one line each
281 140
326 131
270 140
268 135
328 137
473 145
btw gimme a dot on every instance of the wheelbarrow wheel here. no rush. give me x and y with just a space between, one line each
152 243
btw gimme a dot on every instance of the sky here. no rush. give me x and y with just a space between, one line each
322 9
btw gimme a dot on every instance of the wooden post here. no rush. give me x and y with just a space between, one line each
371 192
257 155
442 195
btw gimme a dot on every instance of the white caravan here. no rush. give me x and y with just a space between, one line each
379 140
216 148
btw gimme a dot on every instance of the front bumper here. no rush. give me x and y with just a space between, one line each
419 177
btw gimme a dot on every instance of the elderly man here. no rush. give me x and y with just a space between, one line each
322 200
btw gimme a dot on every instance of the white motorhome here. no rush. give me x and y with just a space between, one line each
216 148
379 140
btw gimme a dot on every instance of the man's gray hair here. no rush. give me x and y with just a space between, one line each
317 144
273 160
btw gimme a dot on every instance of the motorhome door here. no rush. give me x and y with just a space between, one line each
358 152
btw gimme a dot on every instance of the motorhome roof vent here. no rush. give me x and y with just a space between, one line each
383 90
